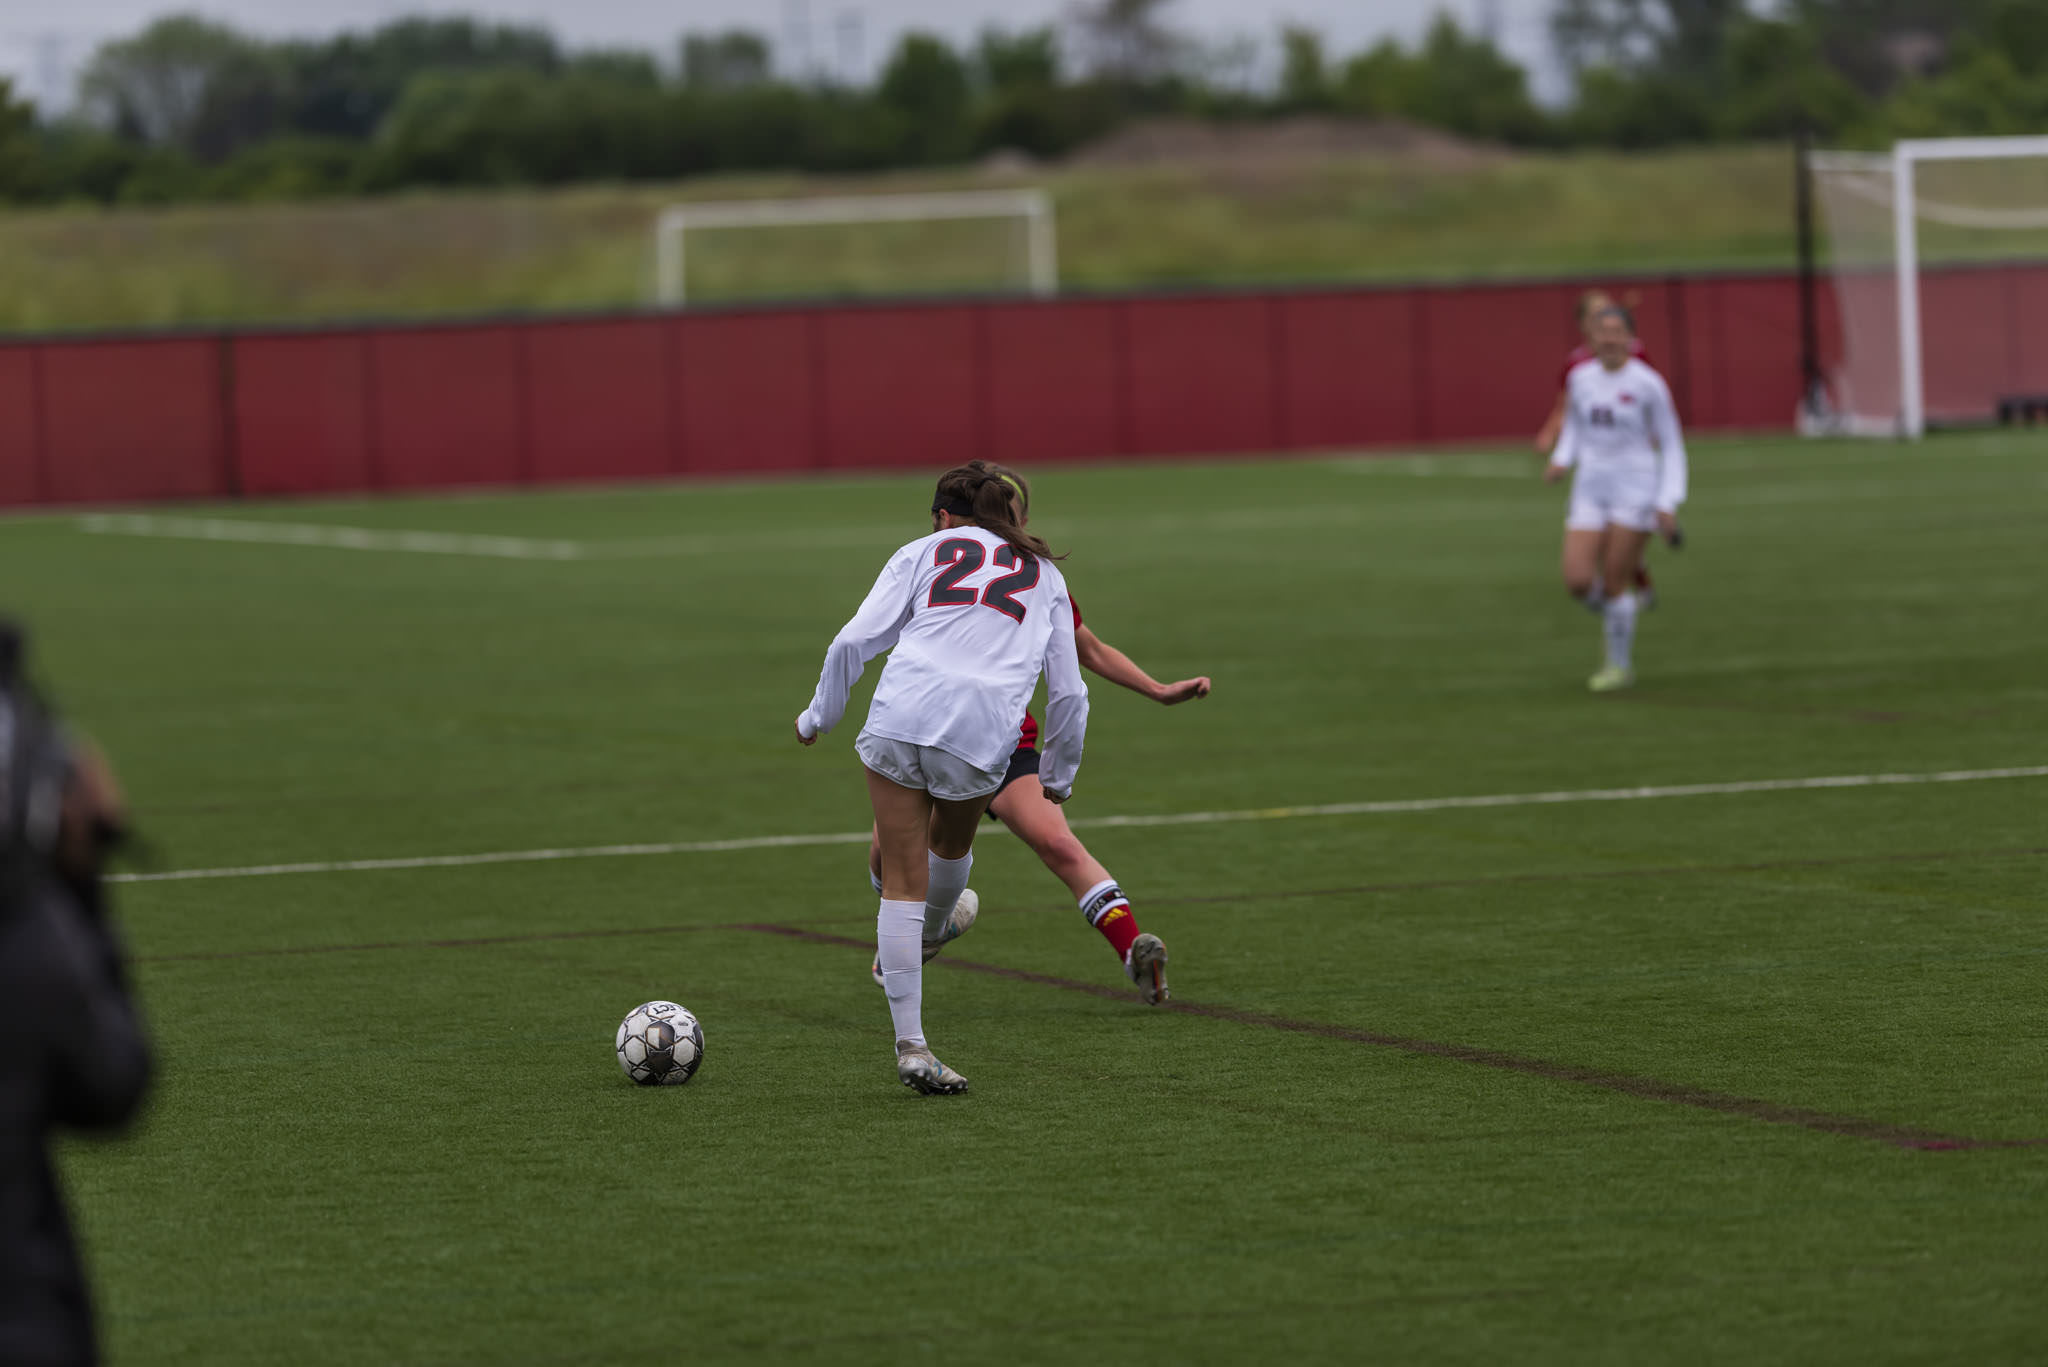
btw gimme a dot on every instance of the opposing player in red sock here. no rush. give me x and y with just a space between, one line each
1021 805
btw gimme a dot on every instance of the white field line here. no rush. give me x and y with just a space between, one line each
1391 808
1441 467
346 538
328 537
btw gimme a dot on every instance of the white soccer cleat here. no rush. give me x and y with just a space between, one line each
919 1070
1145 965
958 924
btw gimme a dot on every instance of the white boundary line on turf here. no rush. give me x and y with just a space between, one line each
1426 804
327 537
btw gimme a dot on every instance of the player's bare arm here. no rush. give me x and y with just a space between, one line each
1546 436
1100 657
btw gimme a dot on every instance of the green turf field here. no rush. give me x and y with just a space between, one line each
1689 1078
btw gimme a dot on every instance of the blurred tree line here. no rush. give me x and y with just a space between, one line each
189 109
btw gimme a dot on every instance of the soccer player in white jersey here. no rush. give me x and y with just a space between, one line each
1020 804
1621 434
971 614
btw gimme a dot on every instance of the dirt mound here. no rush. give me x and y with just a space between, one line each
1194 142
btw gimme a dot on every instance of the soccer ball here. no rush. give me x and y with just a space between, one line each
660 1044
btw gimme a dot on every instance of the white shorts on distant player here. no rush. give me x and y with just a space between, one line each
1612 498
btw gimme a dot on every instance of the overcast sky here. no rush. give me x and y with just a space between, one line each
43 44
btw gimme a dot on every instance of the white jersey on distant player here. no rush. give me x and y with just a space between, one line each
1621 431
972 623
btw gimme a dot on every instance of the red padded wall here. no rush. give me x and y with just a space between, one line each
902 387
1348 368
447 407
1712 343
878 387
1052 381
2029 286
597 401
21 457
134 420
747 392
1756 333
302 413
1202 375
1493 357
1969 339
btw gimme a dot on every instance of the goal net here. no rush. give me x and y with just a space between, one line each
887 245
1938 252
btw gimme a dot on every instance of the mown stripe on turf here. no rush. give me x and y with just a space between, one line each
1645 1088
373 946
1595 875
1161 819
1263 894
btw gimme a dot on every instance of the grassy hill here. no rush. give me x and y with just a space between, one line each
1244 221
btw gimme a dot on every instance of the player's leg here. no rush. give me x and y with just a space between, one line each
1583 551
1585 541
1022 806
1618 616
902 817
903 822
950 905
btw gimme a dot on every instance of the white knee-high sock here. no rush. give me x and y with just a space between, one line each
876 879
947 880
1595 597
1618 621
899 948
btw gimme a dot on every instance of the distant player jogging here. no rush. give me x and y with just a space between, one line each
1621 434
1592 305
972 615
1020 805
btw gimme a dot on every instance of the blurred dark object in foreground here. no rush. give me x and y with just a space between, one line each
71 1047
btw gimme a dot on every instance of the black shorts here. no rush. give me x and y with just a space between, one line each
1025 761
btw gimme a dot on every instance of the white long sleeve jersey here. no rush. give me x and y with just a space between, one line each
1623 423
971 622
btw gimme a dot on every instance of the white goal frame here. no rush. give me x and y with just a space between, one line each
679 220
1904 160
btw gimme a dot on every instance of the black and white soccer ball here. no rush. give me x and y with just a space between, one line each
660 1044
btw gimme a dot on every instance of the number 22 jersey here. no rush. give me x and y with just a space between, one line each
971 622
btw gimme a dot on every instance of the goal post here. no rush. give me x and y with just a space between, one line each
1032 207
1892 216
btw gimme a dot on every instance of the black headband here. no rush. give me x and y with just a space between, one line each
958 507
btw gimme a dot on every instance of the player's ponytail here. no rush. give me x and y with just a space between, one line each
995 498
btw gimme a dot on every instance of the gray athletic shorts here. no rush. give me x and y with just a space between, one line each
946 777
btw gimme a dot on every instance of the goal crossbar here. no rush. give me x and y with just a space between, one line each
678 221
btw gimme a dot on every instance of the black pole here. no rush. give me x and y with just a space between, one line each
1814 388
